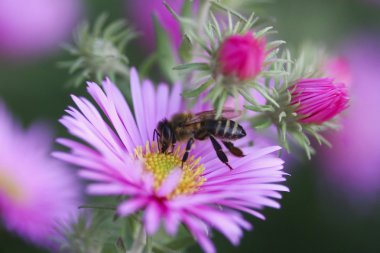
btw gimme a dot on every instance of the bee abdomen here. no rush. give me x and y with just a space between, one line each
224 129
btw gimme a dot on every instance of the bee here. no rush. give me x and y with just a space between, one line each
201 126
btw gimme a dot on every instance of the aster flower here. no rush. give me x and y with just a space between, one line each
352 167
118 155
318 100
36 191
339 69
35 27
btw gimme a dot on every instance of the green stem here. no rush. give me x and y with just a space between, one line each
140 241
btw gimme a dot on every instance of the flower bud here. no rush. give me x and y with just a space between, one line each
241 56
318 100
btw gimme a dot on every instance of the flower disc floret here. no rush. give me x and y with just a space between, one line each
162 164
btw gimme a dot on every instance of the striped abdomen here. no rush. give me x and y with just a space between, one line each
224 129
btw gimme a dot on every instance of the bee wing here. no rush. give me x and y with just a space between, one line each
227 113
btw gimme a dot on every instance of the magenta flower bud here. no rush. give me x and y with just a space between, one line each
241 56
34 27
318 100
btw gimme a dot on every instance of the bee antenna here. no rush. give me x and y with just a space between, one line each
154 134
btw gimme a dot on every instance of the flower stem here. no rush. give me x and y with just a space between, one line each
140 241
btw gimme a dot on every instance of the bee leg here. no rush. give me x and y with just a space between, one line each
234 150
219 152
157 134
172 150
188 147
174 140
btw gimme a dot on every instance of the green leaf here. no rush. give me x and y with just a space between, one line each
181 243
166 59
147 64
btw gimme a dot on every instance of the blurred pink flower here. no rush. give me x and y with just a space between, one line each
141 13
319 99
241 56
339 69
36 191
35 27
353 164
120 158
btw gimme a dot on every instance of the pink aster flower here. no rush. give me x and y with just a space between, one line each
35 27
241 56
118 155
352 166
36 191
319 99
339 69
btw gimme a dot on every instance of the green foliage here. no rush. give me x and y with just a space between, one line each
91 232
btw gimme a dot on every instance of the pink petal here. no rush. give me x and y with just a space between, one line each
131 206
170 183
152 218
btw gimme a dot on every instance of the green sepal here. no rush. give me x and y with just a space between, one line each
201 66
260 108
261 121
186 48
218 5
196 92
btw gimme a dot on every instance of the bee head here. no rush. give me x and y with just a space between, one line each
165 135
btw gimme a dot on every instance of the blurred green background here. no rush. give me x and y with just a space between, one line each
312 218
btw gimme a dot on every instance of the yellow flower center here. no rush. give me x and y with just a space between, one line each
10 188
161 164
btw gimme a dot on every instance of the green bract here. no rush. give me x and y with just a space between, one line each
99 51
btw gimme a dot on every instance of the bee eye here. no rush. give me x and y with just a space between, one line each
166 133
